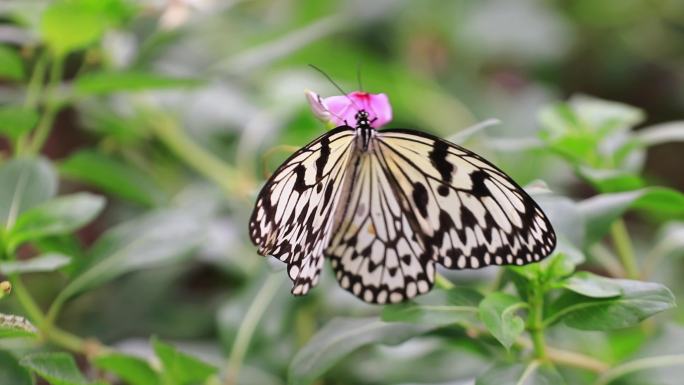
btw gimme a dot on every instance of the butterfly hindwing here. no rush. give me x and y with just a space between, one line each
375 253
470 213
293 216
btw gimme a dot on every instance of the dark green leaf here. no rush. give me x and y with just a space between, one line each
131 369
638 301
55 217
24 183
16 121
592 285
498 314
342 336
11 373
181 368
519 374
11 65
14 326
108 82
441 307
152 240
56 368
111 176
602 210
39 264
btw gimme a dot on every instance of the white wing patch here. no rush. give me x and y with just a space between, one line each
375 253
292 219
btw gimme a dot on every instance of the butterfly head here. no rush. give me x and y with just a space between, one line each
362 118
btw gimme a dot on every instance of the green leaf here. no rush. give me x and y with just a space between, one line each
602 210
441 307
498 314
14 326
592 285
55 217
39 264
341 336
519 374
111 176
56 368
152 240
131 369
24 183
181 368
609 180
68 25
11 64
11 373
638 301
604 115
107 82
16 120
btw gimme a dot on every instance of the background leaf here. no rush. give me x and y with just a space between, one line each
131 369
13 326
24 183
498 313
69 25
519 374
441 307
107 82
181 368
342 336
39 264
11 373
11 64
16 120
57 368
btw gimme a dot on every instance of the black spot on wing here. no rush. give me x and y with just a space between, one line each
420 198
438 157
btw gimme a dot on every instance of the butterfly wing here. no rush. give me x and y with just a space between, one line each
470 213
293 215
375 253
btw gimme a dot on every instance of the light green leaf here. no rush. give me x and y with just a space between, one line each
441 307
55 217
152 240
14 326
17 120
39 264
610 180
131 369
181 368
24 183
638 301
111 176
56 368
108 82
341 336
11 64
68 25
498 313
602 210
11 373
604 115
519 374
592 285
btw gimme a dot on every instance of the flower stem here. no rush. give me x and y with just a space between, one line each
623 246
536 321
638 365
248 326
51 107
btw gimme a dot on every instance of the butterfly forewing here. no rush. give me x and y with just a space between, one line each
375 253
469 212
293 216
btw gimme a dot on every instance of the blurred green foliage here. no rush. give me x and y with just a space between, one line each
135 136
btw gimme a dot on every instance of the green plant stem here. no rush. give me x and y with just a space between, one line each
32 92
229 179
536 321
443 283
248 326
623 246
638 365
52 106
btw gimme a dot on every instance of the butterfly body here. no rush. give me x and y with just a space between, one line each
386 206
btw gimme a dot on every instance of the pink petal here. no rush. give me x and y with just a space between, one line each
319 109
343 109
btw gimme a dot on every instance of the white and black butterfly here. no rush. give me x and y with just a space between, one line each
386 206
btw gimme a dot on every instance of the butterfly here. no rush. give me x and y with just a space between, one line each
387 206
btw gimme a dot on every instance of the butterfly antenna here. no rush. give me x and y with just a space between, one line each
358 76
336 85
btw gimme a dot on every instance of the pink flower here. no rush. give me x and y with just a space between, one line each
342 109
